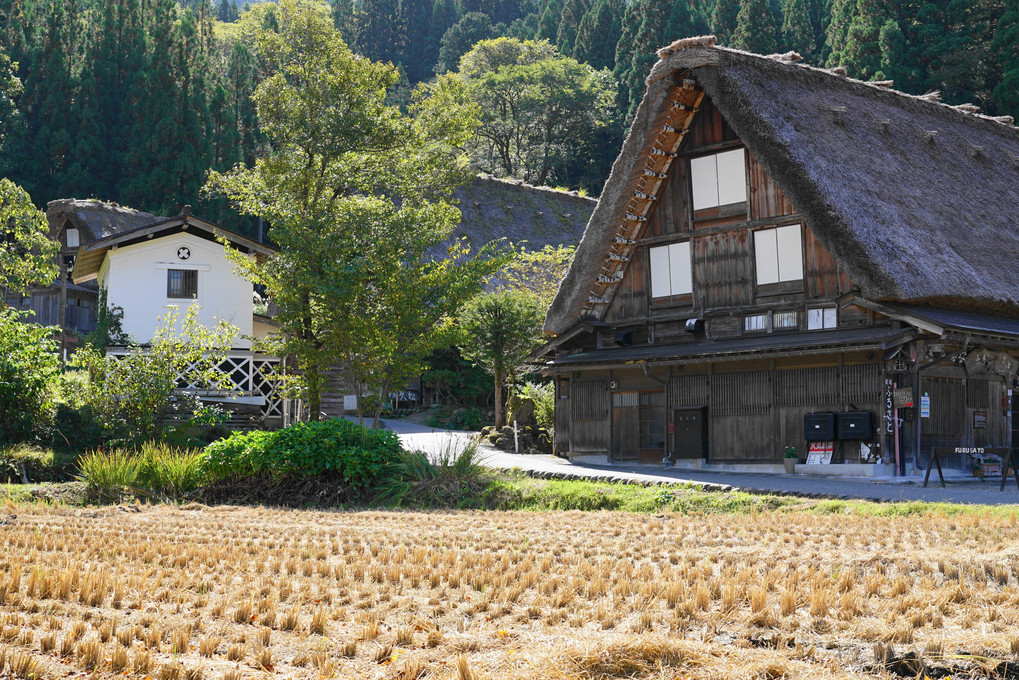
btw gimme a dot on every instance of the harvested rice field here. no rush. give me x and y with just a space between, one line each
195 592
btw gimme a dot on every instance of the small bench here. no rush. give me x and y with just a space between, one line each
1009 459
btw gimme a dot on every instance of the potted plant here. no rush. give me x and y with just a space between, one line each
792 457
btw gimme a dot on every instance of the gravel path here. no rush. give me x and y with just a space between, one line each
905 489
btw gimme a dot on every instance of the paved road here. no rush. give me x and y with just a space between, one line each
434 441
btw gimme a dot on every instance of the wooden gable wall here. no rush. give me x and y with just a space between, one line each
721 241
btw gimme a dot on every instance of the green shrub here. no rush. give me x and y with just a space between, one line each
447 478
28 368
337 448
155 468
470 419
544 402
36 464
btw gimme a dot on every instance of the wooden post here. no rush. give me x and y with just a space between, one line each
62 311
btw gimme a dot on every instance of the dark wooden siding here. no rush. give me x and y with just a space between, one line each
723 270
824 278
741 394
766 199
631 299
562 416
709 128
688 390
590 410
671 214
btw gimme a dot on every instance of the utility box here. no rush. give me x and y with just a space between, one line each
858 425
819 427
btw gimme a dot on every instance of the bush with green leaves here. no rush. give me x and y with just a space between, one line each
134 394
332 448
544 402
29 365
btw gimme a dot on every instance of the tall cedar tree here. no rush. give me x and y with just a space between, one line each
797 32
841 15
382 30
548 24
658 23
1006 49
755 28
50 121
569 24
119 61
723 20
418 13
472 28
598 34
241 78
444 15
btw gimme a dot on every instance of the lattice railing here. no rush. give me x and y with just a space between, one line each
249 375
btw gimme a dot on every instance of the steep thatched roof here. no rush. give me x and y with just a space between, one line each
95 219
915 199
522 214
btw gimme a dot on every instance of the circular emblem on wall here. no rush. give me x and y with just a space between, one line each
183 253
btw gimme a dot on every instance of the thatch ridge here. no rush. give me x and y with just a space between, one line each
96 219
910 216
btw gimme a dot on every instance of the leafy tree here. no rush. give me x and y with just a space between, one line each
537 272
1006 49
472 28
133 393
354 192
27 253
10 88
535 105
598 34
499 331
755 30
28 366
797 32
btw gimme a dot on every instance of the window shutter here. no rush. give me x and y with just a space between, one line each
704 179
732 177
679 259
790 253
660 276
766 251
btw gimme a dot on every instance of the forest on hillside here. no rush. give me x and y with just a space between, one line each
135 100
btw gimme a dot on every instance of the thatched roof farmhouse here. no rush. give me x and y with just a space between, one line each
777 240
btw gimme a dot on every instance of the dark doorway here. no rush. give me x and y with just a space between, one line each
690 434
638 426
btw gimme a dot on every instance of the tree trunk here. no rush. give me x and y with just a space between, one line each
314 381
377 416
498 399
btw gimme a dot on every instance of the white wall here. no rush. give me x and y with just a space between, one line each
135 278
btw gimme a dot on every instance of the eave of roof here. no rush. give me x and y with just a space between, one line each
91 255
756 346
